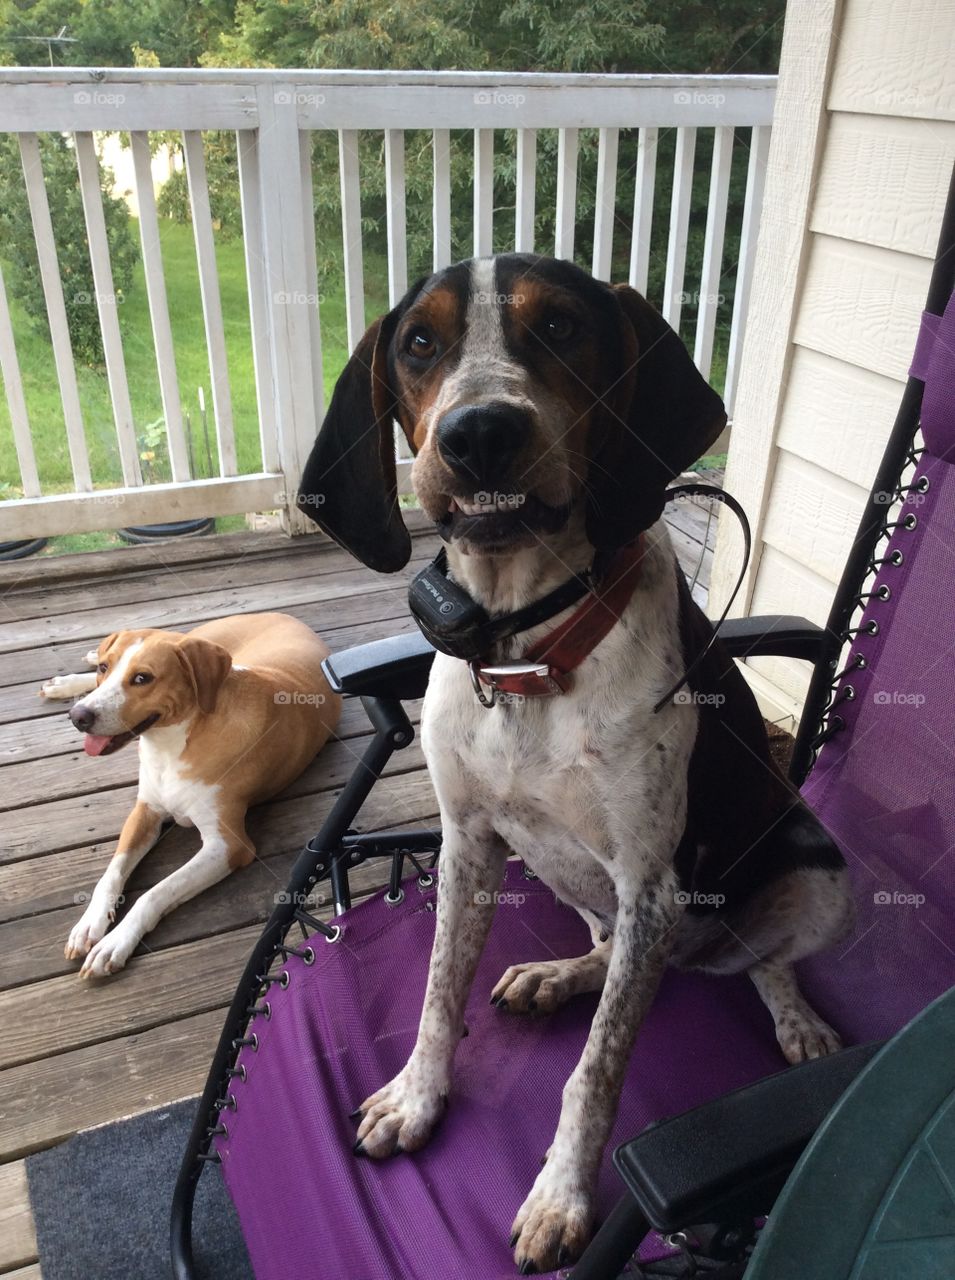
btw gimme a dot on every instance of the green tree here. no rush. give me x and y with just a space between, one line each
106 31
18 248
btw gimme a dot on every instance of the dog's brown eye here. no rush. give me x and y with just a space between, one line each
420 344
141 677
558 328
102 668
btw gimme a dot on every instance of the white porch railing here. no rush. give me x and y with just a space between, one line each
274 114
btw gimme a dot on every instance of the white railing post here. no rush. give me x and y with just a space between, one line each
441 199
753 203
679 226
644 185
710 296
291 289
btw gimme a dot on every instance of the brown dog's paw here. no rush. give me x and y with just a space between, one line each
553 1224
401 1116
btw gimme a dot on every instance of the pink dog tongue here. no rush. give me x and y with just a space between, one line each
94 744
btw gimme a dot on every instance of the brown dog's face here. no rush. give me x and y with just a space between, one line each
145 679
526 389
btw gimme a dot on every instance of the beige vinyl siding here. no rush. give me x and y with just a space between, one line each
866 109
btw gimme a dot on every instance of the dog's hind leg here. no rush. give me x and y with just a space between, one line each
543 986
62 688
800 1031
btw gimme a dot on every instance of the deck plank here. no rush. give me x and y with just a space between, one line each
17 1235
151 990
43 1103
173 613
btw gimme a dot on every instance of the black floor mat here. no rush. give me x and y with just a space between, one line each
101 1203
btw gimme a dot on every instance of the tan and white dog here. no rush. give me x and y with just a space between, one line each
226 715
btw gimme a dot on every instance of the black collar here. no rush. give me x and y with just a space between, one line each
457 625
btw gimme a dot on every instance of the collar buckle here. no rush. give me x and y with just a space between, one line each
517 678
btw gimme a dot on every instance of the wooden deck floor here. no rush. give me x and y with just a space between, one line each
76 1054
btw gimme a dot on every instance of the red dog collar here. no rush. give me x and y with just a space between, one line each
546 667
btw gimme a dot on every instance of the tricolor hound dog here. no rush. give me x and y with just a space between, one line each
547 413
226 716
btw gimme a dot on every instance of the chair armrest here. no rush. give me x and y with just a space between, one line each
730 1157
773 635
396 667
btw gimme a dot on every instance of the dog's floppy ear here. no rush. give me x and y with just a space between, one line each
349 487
206 664
104 646
662 415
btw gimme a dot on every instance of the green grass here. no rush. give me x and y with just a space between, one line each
105 541
41 389
185 309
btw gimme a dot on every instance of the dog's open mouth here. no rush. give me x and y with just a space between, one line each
98 744
494 520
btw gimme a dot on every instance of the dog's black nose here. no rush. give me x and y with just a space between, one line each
82 717
479 441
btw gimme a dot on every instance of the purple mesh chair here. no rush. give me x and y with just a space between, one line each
326 1012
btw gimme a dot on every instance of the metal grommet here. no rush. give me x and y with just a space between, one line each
396 900
225 1132
848 692
910 521
335 934
923 485
896 557
255 1042
284 979
527 873
308 955
872 627
884 592
267 1011
425 882
861 661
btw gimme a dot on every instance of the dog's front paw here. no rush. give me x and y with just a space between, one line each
401 1116
110 954
804 1035
88 930
554 1222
